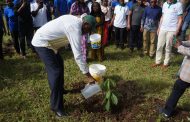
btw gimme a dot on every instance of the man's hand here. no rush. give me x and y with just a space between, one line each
90 78
178 43
141 29
158 31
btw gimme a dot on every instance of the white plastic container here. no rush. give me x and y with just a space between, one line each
95 40
97 71
90 90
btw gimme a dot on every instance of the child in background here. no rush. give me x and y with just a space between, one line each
107 12
100 18
119 21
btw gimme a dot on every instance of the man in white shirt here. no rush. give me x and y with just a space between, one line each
39 14
170 24
47 41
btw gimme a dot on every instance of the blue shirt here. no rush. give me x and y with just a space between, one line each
114 3
130 4
151 18
61 6
11 18
187 18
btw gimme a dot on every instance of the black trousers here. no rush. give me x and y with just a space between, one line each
14 35
120 36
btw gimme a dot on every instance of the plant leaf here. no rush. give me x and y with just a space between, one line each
108 94
113 84
114 99
107 106
108 85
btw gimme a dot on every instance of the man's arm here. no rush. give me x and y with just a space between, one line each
179 24
35 12
183 48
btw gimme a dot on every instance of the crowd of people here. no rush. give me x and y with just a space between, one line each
147 25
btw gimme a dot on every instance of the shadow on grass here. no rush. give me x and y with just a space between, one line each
121 55
13 71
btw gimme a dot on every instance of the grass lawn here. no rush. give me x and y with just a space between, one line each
24 89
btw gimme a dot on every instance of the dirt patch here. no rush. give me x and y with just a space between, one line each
133 106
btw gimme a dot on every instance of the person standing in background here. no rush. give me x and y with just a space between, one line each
39 14
25 25
60 8
149 25
12 24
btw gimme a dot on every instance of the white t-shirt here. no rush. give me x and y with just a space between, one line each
170 16
68 26
41 18
107 12
121 13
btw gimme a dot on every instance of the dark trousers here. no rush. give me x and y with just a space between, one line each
178 90
120 36
1 44
55 71
135 37
14 35
25 35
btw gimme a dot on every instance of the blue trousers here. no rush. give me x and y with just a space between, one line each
178 90
55 71
184 29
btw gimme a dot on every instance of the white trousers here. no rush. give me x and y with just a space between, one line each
164 37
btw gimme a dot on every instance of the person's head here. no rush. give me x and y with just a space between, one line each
140 2
96 8
171 1
39 1
153 3
104 2
10 3
89 24
122 2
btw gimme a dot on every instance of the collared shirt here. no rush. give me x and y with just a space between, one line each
151 18
184 72
52 36
120 13
170 16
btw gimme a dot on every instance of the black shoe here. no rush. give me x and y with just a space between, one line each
61 114
65 91
163 113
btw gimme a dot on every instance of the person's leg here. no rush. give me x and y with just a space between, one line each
1 44
29 36
160 45
14 35
152 44
183 30
54 69
178 90
117 36
22 43
146 39
139 38
122 37
132 38
168 48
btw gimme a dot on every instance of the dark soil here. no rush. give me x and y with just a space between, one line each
133 106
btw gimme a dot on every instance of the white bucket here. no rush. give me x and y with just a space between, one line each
90 90
97 71
95 40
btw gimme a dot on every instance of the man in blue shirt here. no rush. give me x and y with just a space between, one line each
60 7
12 24
185 23
149 26
131 3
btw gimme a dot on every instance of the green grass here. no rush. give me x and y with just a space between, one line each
24 89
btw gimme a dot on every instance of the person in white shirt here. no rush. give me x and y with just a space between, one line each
49 39
170 24
39 14
119 21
